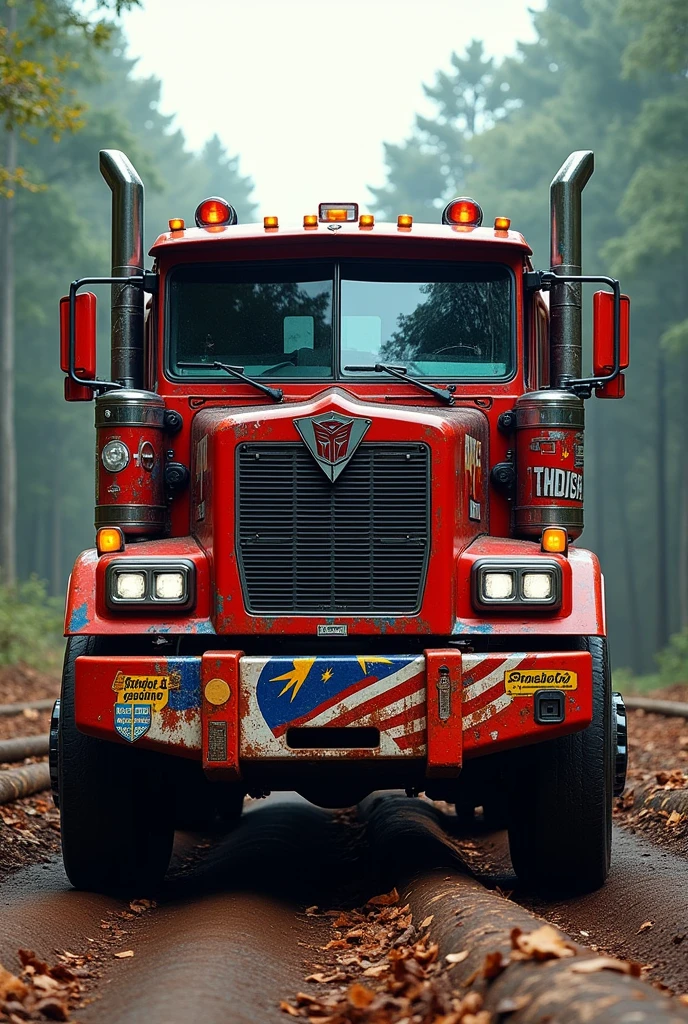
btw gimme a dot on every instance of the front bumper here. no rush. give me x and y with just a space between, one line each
232 711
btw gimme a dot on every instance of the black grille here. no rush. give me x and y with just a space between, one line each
357 545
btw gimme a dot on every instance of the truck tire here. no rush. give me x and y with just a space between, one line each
561 808
115 805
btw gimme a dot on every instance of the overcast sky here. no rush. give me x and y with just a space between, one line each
306 91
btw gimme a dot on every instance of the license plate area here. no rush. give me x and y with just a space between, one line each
352 737
338 707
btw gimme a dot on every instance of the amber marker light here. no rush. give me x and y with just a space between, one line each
270 223
404 220
109 539
502 224
366 220
338 213
555 540
310 220
176 223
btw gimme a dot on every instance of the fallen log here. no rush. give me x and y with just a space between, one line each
18 782
20 747
489 933
45 704
672 708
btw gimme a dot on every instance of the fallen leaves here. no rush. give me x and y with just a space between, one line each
645 927
124 955
43 992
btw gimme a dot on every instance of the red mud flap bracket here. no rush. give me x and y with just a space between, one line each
220 713
444 716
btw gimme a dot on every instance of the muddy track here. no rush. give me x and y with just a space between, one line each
229 938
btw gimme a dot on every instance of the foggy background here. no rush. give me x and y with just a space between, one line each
399 105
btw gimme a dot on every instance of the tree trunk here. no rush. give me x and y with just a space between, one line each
629 559
662 523
683 522
8 454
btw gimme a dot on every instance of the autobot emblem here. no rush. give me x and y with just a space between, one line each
332 439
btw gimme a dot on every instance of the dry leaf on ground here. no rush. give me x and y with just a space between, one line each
385 900
545 943
606 963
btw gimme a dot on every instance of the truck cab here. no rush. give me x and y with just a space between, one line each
339 486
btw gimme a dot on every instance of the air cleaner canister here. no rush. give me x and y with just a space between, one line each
130 455
549 463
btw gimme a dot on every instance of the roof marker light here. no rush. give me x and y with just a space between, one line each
176 223
270 223
338 212
404 220
463 211
366 220
502 224
215 212
310 220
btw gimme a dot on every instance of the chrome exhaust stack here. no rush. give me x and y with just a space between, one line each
127 261
566 342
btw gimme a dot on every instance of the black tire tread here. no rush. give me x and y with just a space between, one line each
561 811
114 837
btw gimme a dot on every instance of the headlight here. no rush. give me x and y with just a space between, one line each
499 586
537 586
169 586
144 584
130 586
115 456
504 585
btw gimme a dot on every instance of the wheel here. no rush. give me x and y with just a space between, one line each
619 742
115 806
561 809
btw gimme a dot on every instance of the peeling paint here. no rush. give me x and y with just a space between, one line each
79 618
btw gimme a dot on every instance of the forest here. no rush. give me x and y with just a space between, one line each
607 75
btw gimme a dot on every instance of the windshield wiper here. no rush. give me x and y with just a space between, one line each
446 394
237 371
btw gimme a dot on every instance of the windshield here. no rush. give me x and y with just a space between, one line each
272 319
438 320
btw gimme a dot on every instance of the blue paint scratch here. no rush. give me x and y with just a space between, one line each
79 618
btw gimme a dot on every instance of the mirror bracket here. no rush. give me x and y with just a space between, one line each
98 386
544 280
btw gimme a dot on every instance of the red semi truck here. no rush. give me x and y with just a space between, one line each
339 482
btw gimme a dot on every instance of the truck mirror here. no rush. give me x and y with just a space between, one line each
84 345
603 342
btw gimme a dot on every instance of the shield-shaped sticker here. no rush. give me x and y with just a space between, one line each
132 721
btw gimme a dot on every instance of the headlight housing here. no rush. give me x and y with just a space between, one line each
147 584
115 456
506 584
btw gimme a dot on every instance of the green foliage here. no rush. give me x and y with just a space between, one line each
30 623
673 660
41 43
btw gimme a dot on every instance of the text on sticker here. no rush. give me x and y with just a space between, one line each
520 681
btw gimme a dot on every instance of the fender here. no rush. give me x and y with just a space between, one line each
582 609
87 613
